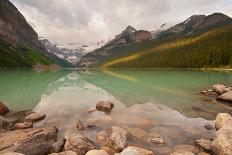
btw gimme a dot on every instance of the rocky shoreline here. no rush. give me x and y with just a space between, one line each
18 137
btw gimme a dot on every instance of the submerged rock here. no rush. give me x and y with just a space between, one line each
136 133
157 141
102 138
79 144
24 125
222 143
97 152
143 122
134 150
226 97
105 106
57 146
208 126
3 108
35 117
205 145
80 126
186 147
118 138
221 120
28 141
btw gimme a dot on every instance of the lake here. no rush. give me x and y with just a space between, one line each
149 103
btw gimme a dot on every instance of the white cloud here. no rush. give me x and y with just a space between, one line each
90 21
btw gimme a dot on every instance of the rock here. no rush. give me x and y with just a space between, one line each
80 126
205 145
220 89
3 108
28 141
25 125
157 141
57 146
143 122
79 144
134 150
118 138
109 150
65 153
181 152
35 117
226 97
102 138
222 143
208 126
12 153
97 152
221 119
136 133
203 153
3 122
105 106
186 147
90 125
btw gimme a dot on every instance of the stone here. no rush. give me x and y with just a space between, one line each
12 153
135 150
220 89
136 133
57 146
109 150
157 141
221 119
227 97
181 152
186 147
3 108
24 125
208 126
90 125
3 122
34 117
79 144
65 153
105 106
203 153
28 141
204 144
222 143
97 152
143 122
80 126
102 138
118 138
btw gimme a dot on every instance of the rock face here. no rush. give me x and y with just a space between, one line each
28 141
118 138
221 120
79 144
3 108
226 97
134 150
222 143
105 106
97 152
35 117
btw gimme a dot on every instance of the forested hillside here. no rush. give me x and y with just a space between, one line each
210 49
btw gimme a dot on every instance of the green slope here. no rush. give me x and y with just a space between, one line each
13 56
209 49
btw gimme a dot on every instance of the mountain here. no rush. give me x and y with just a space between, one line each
198 42
127 37
19 44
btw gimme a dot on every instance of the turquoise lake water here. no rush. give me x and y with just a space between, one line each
164 103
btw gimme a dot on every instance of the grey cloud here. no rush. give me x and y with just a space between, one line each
94 20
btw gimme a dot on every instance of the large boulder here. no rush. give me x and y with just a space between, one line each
135 150
220 89
79 144
222 143
97 152
28 141
3 108
105 106
118 138
226 97
35 117
221 120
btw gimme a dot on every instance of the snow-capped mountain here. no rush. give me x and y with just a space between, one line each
162 28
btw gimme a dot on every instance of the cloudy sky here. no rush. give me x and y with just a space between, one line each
86 21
